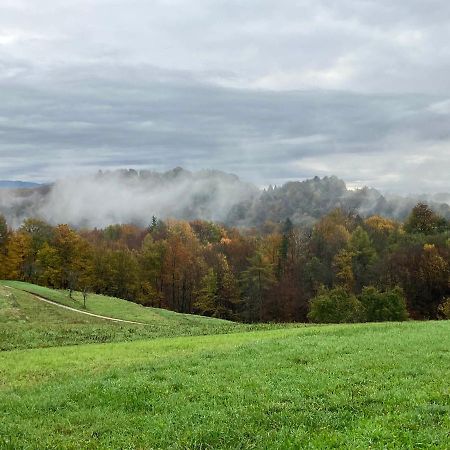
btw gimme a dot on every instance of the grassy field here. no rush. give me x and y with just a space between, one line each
335 386
107 306
348 386
26 322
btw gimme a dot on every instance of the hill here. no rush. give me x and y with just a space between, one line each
27 322
305 202
341 386
129 196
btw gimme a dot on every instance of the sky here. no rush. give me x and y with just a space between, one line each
270 90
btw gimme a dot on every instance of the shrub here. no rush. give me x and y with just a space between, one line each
383 306
335 306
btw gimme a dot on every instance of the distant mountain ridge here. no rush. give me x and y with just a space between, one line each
130 196
15 184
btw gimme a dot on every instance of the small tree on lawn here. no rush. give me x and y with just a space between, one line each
85 295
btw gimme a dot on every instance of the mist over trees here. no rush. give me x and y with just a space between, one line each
342 268
128 196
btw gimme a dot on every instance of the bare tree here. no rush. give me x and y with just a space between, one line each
85 294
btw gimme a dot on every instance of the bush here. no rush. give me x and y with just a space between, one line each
335 306
383 306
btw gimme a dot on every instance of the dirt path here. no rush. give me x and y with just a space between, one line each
112 319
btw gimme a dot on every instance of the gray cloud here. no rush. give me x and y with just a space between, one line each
269 90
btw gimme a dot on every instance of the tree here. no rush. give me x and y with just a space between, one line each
3 232
335 306
151 260
228 295
444 309
379 230
343 268
85 295
3 241
284 245
425 221
66 262
218 295
19 252
67 244
49 266
124 272
433 276
383 306
206 302
257 280
207 232
330 235
153 225
180 265
423 272
39 233
363 257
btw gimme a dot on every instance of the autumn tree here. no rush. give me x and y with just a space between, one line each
379 230
19 254
257 280
343 270
39 233
3 232
284 246
66 262
363 257
423 273
218 294
3 241
181 265
424 220
123 271
151 263
206 302
330 236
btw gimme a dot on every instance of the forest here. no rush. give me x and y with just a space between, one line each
344 268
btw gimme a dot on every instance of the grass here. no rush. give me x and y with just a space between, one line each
338 386
26 322
108 306
184 384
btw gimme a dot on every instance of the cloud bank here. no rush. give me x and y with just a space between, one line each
272 91
128 196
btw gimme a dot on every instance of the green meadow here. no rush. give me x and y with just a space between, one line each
186 382
26 322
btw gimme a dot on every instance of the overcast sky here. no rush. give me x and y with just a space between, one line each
270 90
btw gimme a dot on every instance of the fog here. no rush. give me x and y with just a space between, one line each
128 196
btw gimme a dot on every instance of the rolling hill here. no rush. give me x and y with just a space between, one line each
28 322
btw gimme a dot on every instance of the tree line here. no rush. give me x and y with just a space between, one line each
344 268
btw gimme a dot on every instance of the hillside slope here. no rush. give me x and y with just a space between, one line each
27 322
